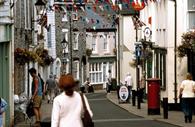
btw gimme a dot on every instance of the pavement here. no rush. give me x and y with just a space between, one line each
174 117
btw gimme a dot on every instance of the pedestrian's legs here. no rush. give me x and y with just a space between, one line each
52 95
185 108
36 111
190 103
39 111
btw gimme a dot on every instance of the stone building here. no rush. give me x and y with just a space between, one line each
70 28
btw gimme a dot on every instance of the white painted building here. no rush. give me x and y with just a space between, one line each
162 24
103 57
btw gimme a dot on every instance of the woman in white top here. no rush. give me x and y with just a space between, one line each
187 93
67 107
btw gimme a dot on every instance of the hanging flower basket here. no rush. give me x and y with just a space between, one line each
41 56
23 56
133 63
44 58
114 51
188 44
88 52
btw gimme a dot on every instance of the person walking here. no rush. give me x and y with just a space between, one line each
3 106
50 87
129 84
68 107
109 82
36 95
142 88
85 84
187 93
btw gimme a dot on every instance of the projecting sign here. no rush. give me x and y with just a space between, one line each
147 32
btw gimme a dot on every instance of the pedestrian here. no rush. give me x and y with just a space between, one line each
85 84
109 82
57 89
187 93
142 88
68 107
3 106
43 85
90 88
50 87
129 84
36 95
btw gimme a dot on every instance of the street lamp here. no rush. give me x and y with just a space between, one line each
64 44
40 5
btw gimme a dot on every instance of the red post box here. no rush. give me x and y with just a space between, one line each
153 96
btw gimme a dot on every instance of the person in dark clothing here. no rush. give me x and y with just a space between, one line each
109 82
50 87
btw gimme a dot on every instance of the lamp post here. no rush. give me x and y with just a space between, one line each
40 5
64 44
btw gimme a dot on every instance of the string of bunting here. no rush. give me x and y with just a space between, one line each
104 8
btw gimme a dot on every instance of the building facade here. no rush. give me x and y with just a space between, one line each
6 58
164 38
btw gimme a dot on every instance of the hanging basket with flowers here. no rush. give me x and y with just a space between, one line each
88 52
41 56
44 58
23 56
188 44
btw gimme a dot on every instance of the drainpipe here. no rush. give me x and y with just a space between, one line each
175 55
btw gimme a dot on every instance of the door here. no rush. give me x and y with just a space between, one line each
191 64
4 76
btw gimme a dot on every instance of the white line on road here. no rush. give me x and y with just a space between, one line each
102 99
119 120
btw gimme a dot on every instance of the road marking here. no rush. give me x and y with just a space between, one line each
119 120
100 99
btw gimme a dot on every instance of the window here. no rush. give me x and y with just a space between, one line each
76 41
191 14
160 63
94 43
105 43
65 35
76 69
49 36
95 73
27 8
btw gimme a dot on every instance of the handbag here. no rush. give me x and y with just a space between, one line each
29 110
86 118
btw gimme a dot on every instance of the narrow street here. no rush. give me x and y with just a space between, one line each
107 114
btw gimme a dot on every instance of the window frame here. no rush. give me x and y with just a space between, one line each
76 70
192 11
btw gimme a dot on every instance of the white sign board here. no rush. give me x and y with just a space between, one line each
147 32
123 93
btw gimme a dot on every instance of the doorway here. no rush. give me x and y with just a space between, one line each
4 77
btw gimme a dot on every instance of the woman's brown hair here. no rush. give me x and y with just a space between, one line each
67 83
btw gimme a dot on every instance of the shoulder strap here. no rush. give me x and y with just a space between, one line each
83 100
